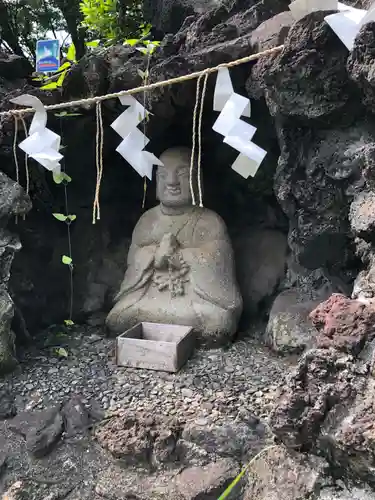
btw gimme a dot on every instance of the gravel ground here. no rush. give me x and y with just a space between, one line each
215 383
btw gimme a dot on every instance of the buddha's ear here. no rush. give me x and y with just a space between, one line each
157 185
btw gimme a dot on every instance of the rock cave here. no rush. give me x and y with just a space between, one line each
293 389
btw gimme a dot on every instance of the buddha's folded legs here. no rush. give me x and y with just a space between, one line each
178 312
216 325
212 323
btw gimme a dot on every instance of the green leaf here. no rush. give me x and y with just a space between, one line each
68 322
60 217
142 50
65 113
131 41
66 65
72 217
93 43
71 54
145 28
237 479
57 177
49 86
60 177
65 259
232 485
61 352
66 177
61 78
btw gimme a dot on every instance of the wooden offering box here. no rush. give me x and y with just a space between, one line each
155 346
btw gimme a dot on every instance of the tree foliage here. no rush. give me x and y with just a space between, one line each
23 22
111 20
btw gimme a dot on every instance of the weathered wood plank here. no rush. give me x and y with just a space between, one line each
155 346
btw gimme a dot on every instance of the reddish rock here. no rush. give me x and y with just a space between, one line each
343 323
139 440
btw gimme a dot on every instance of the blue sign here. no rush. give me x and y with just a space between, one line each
47 56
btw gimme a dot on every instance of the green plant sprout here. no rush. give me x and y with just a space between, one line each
61 352
238 478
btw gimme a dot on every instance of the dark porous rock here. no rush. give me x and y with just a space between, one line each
326 407
3 456
261 263
14 200
349 436
314 56
272 32
322 380
289 330
76 417
193 483
279 474
362 215
8 359
232 439
344 324
208 481
7 404
140 440
13 67
344 491
360 64
41 439
41 429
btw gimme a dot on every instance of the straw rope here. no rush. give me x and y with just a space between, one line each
192 158
99 161
200 194
151 86
26 157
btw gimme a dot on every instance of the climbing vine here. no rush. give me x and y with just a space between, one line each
64 179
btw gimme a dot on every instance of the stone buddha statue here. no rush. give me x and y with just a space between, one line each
180 263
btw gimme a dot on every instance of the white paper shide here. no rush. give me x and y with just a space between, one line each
237 133
134 141
346 23
42 144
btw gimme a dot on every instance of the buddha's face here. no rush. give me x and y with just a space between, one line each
173 187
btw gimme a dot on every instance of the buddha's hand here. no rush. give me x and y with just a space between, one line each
165 251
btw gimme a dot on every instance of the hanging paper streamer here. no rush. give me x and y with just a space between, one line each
42 144
237 133
347 23
134 141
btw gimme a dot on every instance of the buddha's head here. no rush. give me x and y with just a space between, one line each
172 179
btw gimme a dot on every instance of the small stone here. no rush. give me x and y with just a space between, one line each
76 417
7 405
187 393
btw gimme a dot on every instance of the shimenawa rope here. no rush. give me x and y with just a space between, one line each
151 86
